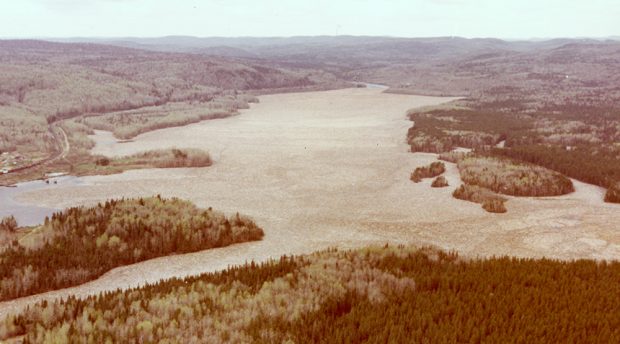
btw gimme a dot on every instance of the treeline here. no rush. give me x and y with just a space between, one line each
588 163
173 158
477 301
490 201
80 244
509 177
374 295
442 130
126 104
433 170
168 121
454 156
161 158
86 164
485 177
23 131
613 194
8 231
577 141
129 124
440 182
155 99
8 223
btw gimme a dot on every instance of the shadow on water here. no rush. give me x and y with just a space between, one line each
29 215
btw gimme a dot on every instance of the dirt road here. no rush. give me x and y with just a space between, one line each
328 169
61 153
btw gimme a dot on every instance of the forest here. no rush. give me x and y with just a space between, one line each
490 201
162 158
433 170
374 295
577 141
440 182
586 163
8 224
82 243
485 177
129 124
444 128
45 86
613 194
509 177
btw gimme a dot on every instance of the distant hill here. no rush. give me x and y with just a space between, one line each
584 70
45 86
137 64
51 76
324 47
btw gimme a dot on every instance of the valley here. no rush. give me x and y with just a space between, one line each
324 169
237 189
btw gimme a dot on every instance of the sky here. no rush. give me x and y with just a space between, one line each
509 19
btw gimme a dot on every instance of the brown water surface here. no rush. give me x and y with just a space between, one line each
328 169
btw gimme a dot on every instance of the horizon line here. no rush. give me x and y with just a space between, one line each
610 37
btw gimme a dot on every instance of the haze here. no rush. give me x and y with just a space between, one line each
405 18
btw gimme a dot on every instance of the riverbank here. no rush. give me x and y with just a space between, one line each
325 169
29 214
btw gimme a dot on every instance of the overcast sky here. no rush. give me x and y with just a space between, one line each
405 18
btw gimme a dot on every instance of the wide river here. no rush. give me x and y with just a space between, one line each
324 169
31 214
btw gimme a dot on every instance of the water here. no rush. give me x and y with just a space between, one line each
369 85
29 215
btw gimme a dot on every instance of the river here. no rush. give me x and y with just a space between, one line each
32 214
325 169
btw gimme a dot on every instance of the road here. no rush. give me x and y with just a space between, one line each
63 146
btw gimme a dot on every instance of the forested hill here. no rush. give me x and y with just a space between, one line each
374 295
80 244
44 85
49 77
555 71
